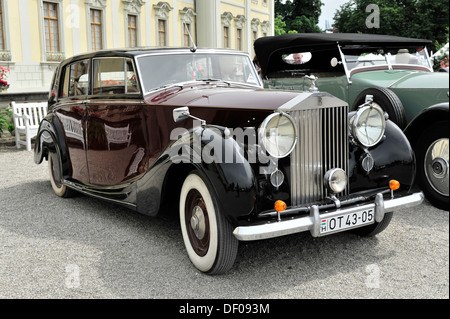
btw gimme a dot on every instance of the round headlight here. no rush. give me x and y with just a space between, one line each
278 135
369 125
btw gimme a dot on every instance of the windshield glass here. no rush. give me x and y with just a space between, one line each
402 57
162 70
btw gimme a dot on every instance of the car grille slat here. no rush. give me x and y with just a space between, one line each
322 145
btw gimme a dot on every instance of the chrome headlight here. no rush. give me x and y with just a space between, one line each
335 180
278 135
369 125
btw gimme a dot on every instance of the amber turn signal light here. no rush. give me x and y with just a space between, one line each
394 185
280 206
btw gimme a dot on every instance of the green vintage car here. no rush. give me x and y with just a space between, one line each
396 72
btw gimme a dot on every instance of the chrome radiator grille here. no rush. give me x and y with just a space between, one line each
322 145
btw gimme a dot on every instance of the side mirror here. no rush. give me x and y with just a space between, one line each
180 114
334 62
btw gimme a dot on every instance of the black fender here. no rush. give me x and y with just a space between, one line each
217 157
50 139
393 158
426 118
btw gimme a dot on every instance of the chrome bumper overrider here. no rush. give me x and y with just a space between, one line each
313 221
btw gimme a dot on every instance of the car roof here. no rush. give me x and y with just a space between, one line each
342 38
269 49
140 51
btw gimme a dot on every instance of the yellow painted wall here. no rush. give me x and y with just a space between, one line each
67 28
35 38
82 28
75 37
14 25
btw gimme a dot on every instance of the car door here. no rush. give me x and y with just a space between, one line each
115 147
71 113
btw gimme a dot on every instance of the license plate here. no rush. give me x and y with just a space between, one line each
347 221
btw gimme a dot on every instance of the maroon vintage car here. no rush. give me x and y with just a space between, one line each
193 130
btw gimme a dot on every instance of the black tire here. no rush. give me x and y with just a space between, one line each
388 101
207 235
374 229
432 170
54 172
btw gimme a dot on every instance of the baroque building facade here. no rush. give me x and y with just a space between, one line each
35 35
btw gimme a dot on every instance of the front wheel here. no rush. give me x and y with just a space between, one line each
207 235
432 164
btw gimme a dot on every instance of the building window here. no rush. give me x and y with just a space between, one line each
187 21
186 37
2 32
239 39
95 24
255 28
162 13
50 30
226 37
162 33
96 30
51 27
5 53
226 19
132 12
239 22
265 28
132 31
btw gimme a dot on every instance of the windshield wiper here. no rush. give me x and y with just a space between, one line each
165 86
215 80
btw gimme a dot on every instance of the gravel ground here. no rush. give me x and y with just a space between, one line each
86 248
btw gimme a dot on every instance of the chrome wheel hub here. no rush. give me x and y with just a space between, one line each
436 166
198 224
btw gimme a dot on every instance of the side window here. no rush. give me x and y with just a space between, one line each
75 80
114 76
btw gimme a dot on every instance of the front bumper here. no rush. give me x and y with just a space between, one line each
312 222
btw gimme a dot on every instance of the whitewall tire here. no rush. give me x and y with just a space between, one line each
207 235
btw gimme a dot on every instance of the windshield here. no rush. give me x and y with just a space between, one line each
162 70
403 57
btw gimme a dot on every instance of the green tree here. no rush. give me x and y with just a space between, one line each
279 26
426 19
299 15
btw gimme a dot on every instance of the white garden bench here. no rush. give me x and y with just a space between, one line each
27 117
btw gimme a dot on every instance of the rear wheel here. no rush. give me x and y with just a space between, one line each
207 235
388 101
55 177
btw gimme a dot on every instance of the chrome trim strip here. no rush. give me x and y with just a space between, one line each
312 222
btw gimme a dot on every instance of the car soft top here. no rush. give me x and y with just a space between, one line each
269 49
